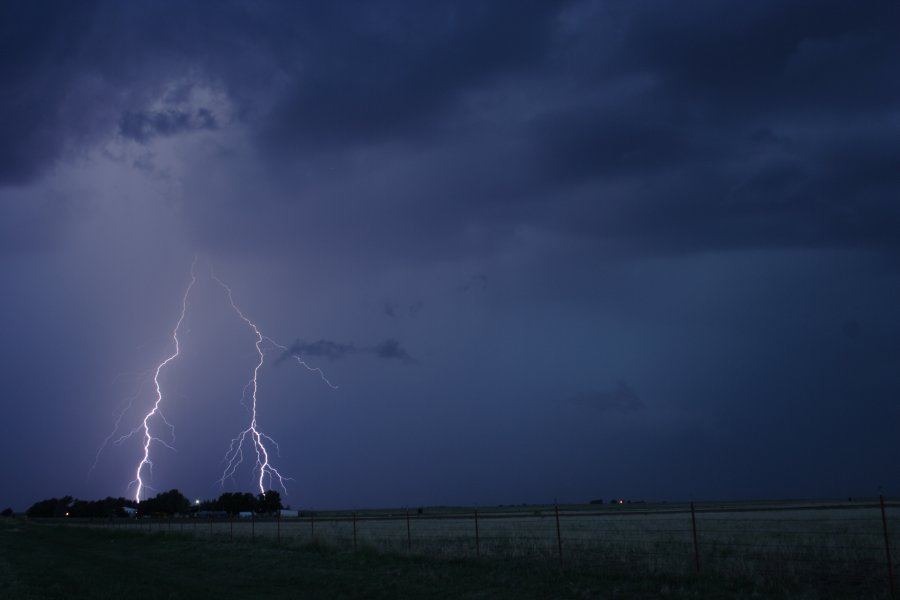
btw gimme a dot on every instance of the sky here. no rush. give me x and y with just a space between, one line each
545 251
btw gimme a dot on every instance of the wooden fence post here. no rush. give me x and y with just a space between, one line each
696 545
558 535
477 538
887 547
408 534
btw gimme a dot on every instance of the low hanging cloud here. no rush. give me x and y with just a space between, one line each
323 349
621 399
389 349
142 126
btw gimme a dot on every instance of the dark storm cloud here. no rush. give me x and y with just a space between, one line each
37 45
735 128
353 152
388 70
389 349
75 74
621 399
664 127
597 144
766 57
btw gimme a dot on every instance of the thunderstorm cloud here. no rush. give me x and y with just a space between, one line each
537 197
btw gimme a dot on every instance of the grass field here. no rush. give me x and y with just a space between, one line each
44 560
837 544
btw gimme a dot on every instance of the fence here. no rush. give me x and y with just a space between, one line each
844 545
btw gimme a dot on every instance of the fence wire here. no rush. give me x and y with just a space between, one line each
838 545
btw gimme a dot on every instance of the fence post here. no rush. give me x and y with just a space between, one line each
354 532
558 535
231 526
887 546
252 527
278 528
477 538
408 534
696 545
312 525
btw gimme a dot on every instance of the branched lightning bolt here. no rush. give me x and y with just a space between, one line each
126 406
235 454
144 427
261 442
301 362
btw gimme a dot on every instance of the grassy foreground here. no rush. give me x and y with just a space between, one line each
54 561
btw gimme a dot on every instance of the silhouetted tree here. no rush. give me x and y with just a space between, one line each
7 512
269 502
166 503
209 505
86 509
96 509
234 503
52 507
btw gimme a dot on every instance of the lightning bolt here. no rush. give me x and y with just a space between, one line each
260 443
156 412
234 457
126 406
301 362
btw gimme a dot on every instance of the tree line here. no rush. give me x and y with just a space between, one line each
168 503
70 507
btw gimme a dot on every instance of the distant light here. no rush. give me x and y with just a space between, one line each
197 501
67 514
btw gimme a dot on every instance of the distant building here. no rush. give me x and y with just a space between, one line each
287 513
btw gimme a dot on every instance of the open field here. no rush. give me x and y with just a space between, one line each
51 561
784 549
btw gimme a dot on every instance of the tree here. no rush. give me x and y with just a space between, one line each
207 505
7 512
100 509
165 503
52 507
269 502
234 503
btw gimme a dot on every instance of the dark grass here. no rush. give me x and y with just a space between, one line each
56 561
